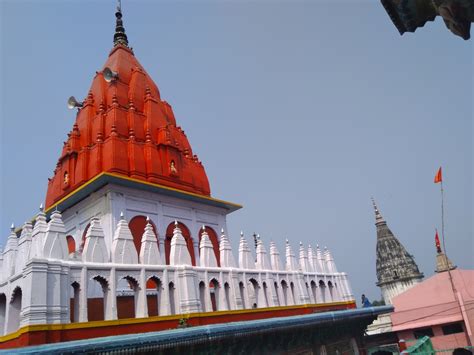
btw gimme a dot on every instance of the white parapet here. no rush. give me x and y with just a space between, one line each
49 286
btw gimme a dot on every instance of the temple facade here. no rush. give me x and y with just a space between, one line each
130 231
396 268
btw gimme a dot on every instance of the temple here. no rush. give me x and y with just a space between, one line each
396 268
130 240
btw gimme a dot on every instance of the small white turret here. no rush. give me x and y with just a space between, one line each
149 253
291 263
275 257
226 255
311 257
55 244
24 246
9 255
331 265
38 234
95 250
179 254
321 261
207 256
304 264
123 248
263 263
245 255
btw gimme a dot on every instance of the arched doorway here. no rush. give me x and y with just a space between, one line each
187 237
74 302
242 294
172 295
202 296
227 295
331 291
97 292
127 290
265 294
284 288
214 294
313 291
15 311
253 294
137 226
3 310
214 240
292 289
275 284
154 292
322 287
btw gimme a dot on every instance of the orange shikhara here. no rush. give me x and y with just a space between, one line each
125 128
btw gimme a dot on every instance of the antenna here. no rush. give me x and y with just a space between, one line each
119 5
72 103
109 75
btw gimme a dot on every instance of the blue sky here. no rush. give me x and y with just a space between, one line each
300 110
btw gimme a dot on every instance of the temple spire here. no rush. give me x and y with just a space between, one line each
119 37
378 215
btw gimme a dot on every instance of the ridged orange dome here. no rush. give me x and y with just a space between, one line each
125 128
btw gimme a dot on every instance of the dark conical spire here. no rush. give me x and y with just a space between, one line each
396 268
378 215
120 37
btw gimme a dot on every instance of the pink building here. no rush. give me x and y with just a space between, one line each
441 307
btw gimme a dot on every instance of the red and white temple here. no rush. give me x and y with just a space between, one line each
130 239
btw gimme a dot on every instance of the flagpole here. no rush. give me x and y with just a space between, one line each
442 217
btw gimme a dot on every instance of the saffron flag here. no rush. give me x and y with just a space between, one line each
438 177
438 245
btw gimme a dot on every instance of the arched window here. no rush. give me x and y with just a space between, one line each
71 244
154 296
187 236
214 240
137 226
74 302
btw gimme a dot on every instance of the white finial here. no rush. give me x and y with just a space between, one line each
241 234
301 243
41 207
148 219
122 215
203 228
12 227
287 241
176 223
222 230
